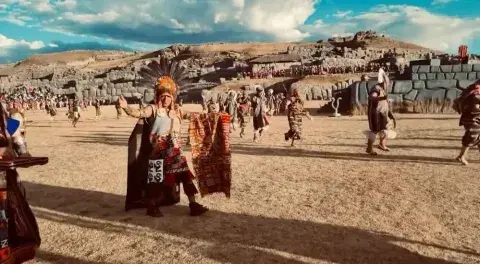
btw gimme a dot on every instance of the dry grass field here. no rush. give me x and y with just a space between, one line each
324 201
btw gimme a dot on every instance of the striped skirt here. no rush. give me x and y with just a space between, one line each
471 137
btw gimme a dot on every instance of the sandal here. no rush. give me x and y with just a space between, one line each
463 161
383 148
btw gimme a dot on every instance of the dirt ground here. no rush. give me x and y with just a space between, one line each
324 201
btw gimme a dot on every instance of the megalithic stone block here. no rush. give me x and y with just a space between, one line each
472 75
424 69
449 76
362 93
452 94
425 95
431 76
464 84
457 68
434 84
467 67
419 85
354 92
461 76
411 96
402 87
435 69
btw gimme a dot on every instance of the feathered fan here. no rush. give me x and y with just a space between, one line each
165 67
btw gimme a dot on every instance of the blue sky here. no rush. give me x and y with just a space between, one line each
39 26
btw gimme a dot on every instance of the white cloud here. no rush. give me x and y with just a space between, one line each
8 43
163 22
439 2
13 20
105 17
407 23
67 4
260 19
36 45
342 14
41 6
12 50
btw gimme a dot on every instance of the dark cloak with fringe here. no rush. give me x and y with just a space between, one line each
139 150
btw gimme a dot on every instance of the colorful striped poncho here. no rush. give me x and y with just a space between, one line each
210 140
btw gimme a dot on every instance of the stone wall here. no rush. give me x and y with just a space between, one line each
446 72
108 86
409 92
322 91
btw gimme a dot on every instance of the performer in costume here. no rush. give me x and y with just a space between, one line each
270 102
76 113
205 95
260 121
98 110
231 108
468 105
222 99
69 113
155 173
380 119
51 110
243 112
295 112
278 103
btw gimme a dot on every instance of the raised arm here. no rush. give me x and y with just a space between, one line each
137 113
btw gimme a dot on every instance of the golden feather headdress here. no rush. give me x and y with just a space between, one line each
165 76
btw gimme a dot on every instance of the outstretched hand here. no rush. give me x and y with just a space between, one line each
122 102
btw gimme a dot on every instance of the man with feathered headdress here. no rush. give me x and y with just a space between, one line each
158 166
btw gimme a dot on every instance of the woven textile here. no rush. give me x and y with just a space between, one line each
212 162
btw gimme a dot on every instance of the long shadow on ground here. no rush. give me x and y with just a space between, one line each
295 152
457 139
391 146
235 237
55 258
121 139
